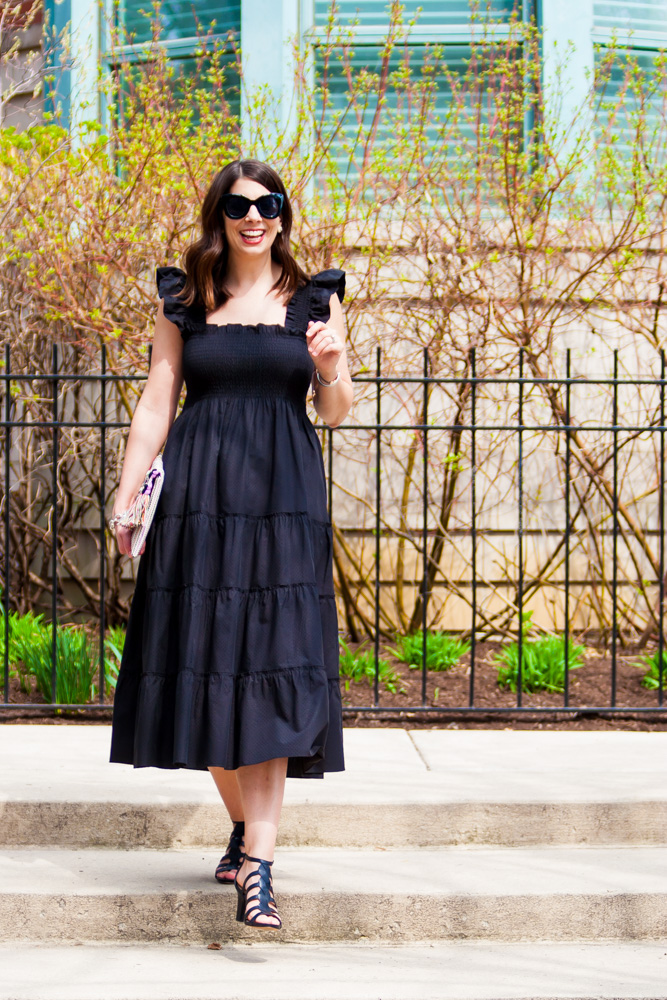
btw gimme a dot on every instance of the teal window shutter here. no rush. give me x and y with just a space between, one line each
443 13
629 36
643 17
449 25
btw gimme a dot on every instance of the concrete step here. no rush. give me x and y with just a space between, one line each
428 788
130 825
453 971
511 894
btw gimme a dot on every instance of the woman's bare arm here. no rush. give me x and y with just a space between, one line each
332 403
153 416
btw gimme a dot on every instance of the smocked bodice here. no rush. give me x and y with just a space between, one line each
240 361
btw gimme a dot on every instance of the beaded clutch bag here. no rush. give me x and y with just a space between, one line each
140 515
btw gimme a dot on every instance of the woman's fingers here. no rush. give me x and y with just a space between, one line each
323 341
124 540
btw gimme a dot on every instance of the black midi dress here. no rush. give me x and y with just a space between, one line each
231 651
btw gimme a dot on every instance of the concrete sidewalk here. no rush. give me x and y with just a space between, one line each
383 766
268 971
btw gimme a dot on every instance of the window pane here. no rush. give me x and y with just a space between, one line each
177 20
374 13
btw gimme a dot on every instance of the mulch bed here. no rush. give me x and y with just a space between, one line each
590 687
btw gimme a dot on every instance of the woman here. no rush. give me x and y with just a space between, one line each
231 654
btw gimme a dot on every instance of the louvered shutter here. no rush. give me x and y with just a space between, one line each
646 16
443 13
640 30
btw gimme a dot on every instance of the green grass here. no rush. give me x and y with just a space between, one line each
442 650
543 664
651 679
360 665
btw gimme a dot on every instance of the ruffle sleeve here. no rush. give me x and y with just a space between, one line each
324 285
170 281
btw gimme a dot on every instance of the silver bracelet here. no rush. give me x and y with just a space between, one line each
123 519
323 381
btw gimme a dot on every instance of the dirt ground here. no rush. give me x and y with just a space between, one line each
590 688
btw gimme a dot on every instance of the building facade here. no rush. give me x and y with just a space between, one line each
57 67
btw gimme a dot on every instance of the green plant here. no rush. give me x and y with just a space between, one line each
360 665
76 659
24 631
542 664
651 678
113 646
442 650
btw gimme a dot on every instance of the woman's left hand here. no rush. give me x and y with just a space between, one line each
325 348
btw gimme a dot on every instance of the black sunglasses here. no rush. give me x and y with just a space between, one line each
237 206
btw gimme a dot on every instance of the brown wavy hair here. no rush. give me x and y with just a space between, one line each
205 260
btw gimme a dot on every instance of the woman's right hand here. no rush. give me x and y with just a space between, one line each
123 540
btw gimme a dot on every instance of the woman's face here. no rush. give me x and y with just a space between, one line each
253 235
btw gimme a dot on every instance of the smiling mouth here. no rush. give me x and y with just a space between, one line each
252 236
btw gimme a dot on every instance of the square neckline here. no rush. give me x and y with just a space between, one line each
256 326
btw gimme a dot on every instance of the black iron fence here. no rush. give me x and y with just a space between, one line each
573 466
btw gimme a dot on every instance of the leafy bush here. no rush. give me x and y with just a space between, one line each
543 664
442 650
360 665
651 678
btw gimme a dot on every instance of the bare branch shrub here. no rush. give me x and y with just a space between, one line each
475 230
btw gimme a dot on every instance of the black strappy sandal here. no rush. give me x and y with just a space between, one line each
232 859
261 899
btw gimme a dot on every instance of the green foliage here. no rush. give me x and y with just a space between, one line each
360 665
113 646
77 660
543 664
442 650
30 652
25 631
651 678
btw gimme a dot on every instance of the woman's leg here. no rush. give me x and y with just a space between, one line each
228 787
230 794
262 787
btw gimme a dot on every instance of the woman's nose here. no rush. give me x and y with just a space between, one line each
253 214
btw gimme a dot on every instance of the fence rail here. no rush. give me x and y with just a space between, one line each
470 424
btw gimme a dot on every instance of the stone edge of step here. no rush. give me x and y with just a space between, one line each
131 824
